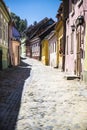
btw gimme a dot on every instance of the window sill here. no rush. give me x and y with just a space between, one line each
72 13
71 52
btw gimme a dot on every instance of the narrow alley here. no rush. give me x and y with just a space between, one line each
38 97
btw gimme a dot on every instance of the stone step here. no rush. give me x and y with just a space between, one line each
71 77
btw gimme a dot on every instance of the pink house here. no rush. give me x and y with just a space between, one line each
76 38
14 45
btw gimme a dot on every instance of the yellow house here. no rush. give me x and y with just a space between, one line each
49 49
59 34
45 52
4 25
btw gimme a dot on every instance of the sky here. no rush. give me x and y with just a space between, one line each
34 10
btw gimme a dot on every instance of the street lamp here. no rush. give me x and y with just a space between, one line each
80 20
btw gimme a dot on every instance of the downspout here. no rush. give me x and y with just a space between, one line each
64 37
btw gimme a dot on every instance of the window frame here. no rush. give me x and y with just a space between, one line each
72 43
4 30
80 2
72 8
67 47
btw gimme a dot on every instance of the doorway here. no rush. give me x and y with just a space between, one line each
78 61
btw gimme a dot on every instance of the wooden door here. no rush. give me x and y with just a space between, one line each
78 61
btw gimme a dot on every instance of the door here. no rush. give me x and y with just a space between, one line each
78 61
0 59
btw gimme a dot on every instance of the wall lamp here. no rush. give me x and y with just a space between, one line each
80 20
73 27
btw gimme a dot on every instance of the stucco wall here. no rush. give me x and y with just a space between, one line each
70 58
53 51
45 55
4 57
16 52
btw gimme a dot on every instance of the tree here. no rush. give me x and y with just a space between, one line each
20 24
35 22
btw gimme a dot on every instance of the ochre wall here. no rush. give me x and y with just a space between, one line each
45 58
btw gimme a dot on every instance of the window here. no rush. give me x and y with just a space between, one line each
61 46
67 45
72 44
0 33
72 7
6 34
0 27
3 30
43 45
51 47
55 47
80 2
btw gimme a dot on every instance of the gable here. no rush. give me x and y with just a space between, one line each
4 11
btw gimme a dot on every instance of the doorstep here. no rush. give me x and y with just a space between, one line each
71 77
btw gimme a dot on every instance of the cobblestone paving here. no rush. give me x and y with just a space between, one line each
11 88
44 101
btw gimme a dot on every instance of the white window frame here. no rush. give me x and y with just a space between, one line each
72 42
80 2
67 45
4 28
1 28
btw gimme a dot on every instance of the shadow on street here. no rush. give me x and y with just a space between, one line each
11 87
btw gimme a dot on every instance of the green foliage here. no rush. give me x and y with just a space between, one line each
20 24
35 23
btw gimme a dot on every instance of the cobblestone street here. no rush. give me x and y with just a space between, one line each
38 97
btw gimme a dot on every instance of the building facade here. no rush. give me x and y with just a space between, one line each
53 49
23 47
49 49
45 52
14 45
75 59
4 35
36 34
35 47
59 35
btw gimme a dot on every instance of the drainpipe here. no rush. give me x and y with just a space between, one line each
80 53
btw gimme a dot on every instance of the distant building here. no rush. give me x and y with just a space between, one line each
50 44
35 34
23 47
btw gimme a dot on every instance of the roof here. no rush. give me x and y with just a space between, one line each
49 36
2 1
37 29
15 33
49 27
